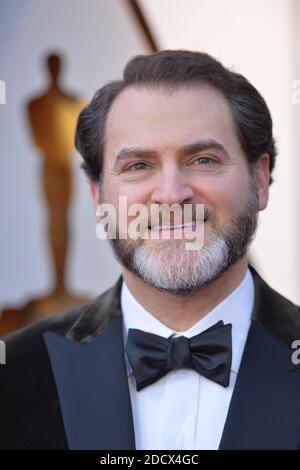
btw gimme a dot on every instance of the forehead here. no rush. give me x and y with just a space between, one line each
160 118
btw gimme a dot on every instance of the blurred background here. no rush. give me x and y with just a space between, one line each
54 54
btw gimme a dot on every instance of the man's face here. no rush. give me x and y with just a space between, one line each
181 147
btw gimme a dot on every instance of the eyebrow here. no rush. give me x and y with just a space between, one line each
139 152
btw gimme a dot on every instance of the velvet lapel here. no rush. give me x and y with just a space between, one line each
265 408
90 374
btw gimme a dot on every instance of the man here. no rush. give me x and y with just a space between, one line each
190 349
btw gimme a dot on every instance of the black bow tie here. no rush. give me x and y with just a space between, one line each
208 353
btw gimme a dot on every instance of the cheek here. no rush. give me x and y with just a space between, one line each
123 196
134 193
225 197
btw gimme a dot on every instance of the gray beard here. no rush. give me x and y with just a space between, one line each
174 269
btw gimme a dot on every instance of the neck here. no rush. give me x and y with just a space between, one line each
181 312
54 85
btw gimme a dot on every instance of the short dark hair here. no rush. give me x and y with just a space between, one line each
173 68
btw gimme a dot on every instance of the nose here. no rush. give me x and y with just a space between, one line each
172 188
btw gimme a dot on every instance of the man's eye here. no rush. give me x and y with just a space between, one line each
203 160
136 166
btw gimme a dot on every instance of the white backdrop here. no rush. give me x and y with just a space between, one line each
97 37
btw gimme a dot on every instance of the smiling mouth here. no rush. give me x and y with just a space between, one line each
157 228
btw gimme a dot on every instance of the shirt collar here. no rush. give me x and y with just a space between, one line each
236 309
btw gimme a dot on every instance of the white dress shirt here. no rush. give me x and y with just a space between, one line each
184 410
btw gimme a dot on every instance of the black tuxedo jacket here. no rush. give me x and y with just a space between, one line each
64 385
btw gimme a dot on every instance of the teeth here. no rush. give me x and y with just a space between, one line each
168 227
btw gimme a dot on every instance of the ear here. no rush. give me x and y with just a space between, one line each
94 188
262 177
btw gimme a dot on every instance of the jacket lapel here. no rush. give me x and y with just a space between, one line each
264 412
90 374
